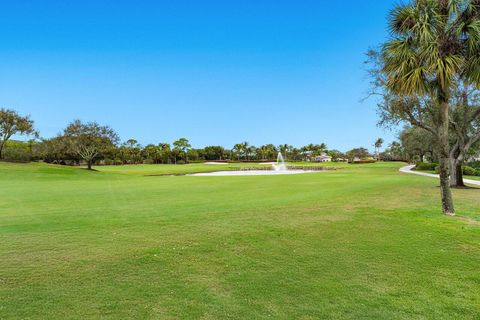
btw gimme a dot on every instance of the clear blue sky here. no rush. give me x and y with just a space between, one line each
215 72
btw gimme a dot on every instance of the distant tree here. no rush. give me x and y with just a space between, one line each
166 152
89 140
182 145
465 130
238 150
11 123
394 152
360 153
378 144
131 143
245 148
417 142
286 150
214 153
54 149
250 150
267 151
132 151
336 155
296 153
152 152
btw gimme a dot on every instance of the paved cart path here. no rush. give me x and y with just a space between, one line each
408 169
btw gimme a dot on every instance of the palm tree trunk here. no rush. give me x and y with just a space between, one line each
444 163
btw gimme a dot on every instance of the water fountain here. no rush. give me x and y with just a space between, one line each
280 165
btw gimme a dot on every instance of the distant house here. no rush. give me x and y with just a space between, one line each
322 158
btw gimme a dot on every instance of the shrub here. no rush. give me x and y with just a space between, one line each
108 162
117 162
474 164
425 166
148 161
16 154
469 171
437 169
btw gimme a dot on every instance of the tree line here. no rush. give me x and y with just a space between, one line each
91 143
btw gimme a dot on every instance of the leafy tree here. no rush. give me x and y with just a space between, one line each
132 143
336 155
465 130
53 150
11 123
89 140
357 153
394 152
214 153
182 145
417 142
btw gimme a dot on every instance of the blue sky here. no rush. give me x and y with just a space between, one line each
215 72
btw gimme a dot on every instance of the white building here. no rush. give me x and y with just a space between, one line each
322 158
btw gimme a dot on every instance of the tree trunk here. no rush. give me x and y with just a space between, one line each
2 144
89 164
456 178
459 173
443 152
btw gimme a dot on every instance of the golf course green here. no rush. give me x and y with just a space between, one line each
361 242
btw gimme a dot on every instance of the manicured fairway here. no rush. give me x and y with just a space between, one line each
363 242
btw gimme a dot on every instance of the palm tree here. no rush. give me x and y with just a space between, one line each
165 151
182 145
245 146
433 42
238 150
378 144
285 149
263 152
249 150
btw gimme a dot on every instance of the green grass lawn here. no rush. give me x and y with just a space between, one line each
473 177
363 242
